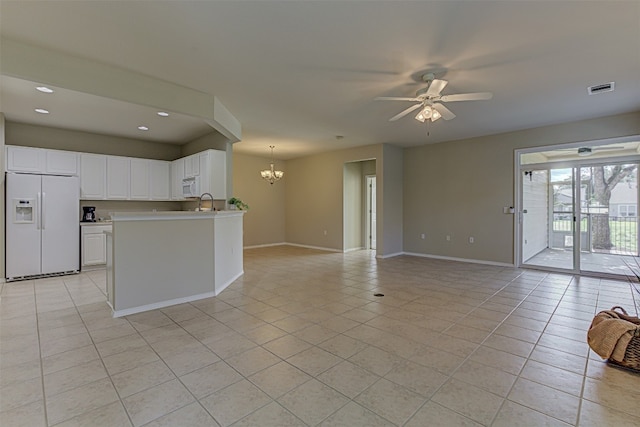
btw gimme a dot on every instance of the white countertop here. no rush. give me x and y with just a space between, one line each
171 215
87 223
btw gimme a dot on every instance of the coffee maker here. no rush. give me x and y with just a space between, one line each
88 214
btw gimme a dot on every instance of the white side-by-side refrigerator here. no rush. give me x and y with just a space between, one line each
42 231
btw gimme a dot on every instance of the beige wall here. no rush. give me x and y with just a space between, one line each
85 142
213 140
315 197
459 188
264 223
390 202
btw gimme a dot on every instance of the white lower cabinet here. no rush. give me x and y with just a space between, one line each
94 246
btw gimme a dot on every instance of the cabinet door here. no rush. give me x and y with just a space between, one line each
93 176
25 159
192 166
140 176
61 162
94 250
160 178
177 173
117 177
218 165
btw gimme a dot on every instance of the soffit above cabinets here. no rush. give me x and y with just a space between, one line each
69 109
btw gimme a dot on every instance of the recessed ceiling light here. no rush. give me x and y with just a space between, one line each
143 128
44 89
163 114
42 111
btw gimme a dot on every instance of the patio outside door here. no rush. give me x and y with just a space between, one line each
609 217
548 218
596 238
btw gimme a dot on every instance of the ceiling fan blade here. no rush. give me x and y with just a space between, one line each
467 97
394 98
405 112
444 111
436 87
607 148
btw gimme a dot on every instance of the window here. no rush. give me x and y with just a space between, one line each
627 210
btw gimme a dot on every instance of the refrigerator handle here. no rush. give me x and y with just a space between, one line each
44 205
38 211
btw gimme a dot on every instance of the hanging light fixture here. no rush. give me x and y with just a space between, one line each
428 112
271 174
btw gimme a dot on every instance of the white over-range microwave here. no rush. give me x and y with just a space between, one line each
191 187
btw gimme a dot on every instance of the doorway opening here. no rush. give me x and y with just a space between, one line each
359 205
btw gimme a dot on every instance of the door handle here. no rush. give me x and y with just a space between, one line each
44 205
37 211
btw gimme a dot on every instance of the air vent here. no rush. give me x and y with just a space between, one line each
607 87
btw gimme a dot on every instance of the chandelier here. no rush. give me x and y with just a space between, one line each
271 174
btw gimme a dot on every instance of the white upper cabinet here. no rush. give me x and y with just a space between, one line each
40 160
192 166
93 176
218 164
61 162
105 177
213 173
160 180
140 177
177 173
118 169
25 159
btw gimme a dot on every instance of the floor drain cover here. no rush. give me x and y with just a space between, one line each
378 295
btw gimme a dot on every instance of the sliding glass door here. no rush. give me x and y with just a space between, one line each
608 217
582 218
548 225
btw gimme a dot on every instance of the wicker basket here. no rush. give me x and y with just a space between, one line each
631 358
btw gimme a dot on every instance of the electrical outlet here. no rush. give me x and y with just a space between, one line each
422 236
471 240
448 238
325 232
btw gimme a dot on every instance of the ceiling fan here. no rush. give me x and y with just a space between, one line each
587 151
429 100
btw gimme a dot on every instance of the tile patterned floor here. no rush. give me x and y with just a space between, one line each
301 340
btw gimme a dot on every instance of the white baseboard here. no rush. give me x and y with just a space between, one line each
266 245
354 249
469 260
227 283
390 255
162 304
320 248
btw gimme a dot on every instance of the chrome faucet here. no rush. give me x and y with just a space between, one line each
200 201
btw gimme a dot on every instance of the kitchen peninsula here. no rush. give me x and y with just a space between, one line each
157 259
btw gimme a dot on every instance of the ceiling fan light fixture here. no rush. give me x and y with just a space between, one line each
435 115
424 114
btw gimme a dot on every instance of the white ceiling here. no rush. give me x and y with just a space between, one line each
297 74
